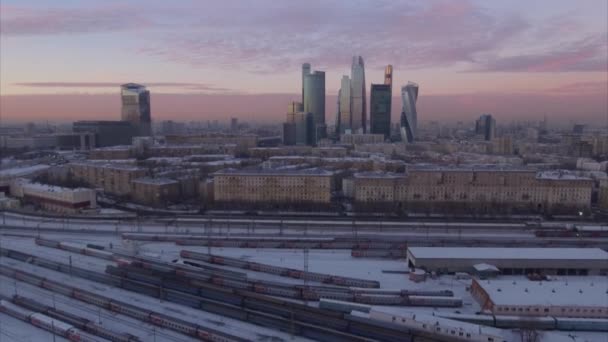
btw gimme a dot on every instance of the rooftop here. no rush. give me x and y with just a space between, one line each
155 181
22 170
275 172
490 253
546 293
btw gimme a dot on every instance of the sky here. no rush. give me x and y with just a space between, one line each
63 60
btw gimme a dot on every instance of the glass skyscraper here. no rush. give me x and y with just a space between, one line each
409 116
314 102
380 109
358 101
136 107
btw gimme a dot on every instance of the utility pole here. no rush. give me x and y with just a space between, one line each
305 275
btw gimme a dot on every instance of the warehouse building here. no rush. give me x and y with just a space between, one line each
519 261
581 299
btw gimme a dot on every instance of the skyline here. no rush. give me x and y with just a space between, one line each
470 57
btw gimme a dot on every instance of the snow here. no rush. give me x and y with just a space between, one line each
586 292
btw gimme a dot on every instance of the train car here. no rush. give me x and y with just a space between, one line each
452 302
14 310
91 298
57 287
380 299
547 323
72 247
342 306
47 243
50 324
98 253
581 324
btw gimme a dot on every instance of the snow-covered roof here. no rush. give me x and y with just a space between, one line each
22 171
508 253
276 172
483 267
546 293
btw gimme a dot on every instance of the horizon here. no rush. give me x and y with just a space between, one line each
517 60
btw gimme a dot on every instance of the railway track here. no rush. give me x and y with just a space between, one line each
255 308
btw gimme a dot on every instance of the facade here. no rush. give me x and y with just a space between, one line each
358 99
114 179
518 261
314 103
136 107
409 115
344 110
380 109
357 139
54 198
485 126
241 140
155 191
478 190
579 299
273 186
603 194
107 133
9 175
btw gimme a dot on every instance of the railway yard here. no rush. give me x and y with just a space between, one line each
223 279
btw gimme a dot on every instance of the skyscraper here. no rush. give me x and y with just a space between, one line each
409 116
305 71
344 103
136 107
388 75
486 127
358 102
314 102
380 109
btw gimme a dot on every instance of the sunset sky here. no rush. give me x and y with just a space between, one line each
518 59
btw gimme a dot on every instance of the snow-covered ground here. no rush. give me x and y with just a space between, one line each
338 262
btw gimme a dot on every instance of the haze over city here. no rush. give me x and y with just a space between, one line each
64 60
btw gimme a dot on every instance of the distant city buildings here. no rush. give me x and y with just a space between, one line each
409 115
234 124
485 126
136 107
107 133
388 75
358 98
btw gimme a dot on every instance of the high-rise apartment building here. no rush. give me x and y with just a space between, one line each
136 107
486 127
314 102
358 101
380 109
409 116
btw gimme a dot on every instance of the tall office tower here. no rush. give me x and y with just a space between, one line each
344 103
295 128
136 107
305 71
358 103
380 109
486 127
409 117
388 75
314 103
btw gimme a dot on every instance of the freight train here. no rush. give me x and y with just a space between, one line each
45 322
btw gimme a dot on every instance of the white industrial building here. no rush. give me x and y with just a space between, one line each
583 299
560 261
54 198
